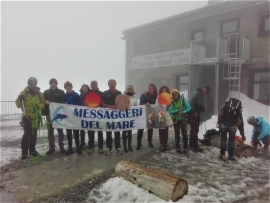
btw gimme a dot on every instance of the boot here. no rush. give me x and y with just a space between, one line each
129 143
125 144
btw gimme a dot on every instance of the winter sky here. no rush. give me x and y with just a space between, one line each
75 41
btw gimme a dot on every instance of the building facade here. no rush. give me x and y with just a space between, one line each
224 45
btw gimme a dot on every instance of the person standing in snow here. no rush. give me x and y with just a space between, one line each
197 106
147 98
163 133
58 96
108 101
74 99
261 132
31 101
84 91
127 134
91 133
179 108
228 120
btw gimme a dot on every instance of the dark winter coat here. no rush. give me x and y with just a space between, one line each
147 98
57 96
109 98
196 101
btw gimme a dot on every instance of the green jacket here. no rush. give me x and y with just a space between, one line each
31 99
182 104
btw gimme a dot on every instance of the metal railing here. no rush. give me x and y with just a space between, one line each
9 110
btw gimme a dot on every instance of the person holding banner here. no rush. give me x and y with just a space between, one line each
31 101
72 98
84 91
94 92
179 109
108 101
163 133
127 134
58 96
147 98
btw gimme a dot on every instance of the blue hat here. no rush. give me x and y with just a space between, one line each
251 120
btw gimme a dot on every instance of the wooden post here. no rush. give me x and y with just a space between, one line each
163 185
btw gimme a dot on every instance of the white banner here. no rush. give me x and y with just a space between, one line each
170 58
84 118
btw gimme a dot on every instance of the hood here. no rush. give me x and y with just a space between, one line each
260 120
199 90
28 90
179 97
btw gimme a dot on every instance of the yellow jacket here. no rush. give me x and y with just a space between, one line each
31 99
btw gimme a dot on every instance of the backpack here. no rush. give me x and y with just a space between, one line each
233 107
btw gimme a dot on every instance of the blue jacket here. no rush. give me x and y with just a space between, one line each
73 98
263 127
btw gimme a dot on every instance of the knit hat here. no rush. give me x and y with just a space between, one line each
175 91
251 120
208 88
93 83
32 79
68 83
53 80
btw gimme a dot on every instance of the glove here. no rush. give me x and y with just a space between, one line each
243 137
21 97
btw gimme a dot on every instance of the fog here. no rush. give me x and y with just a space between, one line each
75 41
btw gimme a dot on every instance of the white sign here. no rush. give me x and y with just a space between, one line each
170 58
84 118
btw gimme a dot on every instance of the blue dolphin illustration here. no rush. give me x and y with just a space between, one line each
59 116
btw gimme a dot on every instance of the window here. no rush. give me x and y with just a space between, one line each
230 30
265 26
261 86
182 84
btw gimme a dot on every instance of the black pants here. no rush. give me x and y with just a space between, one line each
51 134
177 126
224 129
127 134
29 138
76 136
91 139
82 135
140 135
116 139
194 129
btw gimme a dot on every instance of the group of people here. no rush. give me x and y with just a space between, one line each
32 102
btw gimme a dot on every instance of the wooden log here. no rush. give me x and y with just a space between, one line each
241 149
163 185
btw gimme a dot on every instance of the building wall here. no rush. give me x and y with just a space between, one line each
171 35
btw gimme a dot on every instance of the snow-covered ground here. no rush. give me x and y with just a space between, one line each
228 182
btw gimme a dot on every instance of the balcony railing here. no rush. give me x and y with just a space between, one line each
9 110
215 49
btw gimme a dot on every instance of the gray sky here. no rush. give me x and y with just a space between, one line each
75 41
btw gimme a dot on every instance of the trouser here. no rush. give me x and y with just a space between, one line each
91 139
51 134
163 136
265 141
76 136
127 134
29 138
82 135
177 126
140 135
116 139
224 129
194 129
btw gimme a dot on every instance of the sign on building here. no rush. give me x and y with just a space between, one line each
164 59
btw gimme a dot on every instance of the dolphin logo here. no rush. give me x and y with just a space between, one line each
59 116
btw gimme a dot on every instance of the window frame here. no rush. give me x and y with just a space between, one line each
262 31
196 31
229 20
